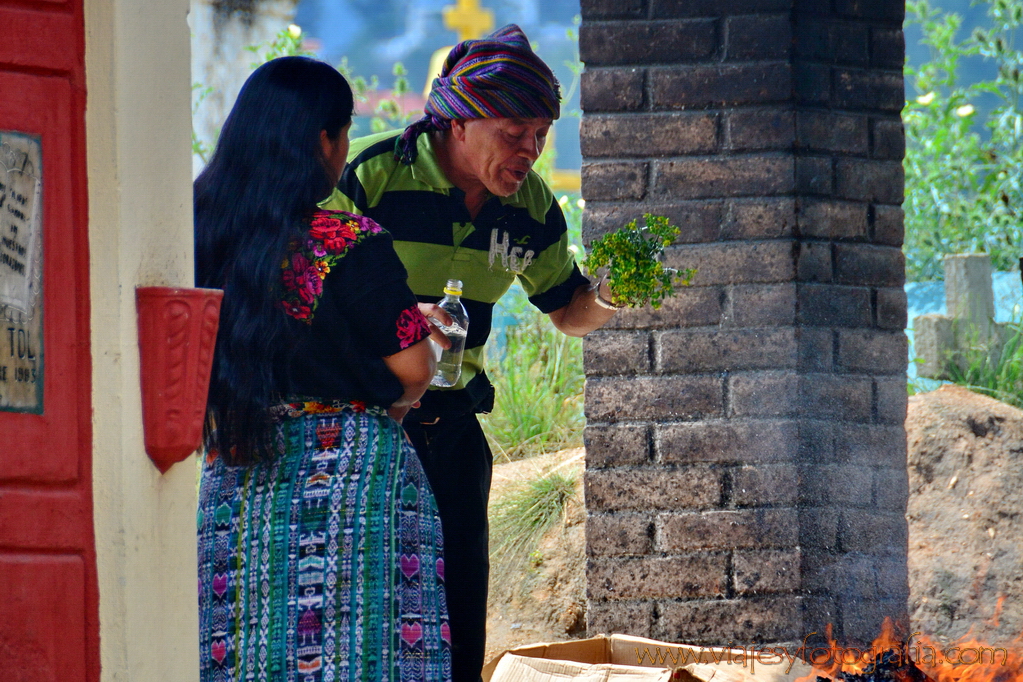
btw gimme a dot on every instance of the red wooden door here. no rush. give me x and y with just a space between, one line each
49 615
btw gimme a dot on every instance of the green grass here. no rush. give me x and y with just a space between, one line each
539 383
518 521
538 376
995 374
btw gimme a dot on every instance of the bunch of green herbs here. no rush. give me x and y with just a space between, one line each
631 255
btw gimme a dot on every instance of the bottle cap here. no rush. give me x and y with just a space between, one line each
454 287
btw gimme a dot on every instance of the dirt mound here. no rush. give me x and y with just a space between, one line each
965 530
965 501
548 602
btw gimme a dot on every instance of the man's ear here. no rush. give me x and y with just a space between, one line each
458 129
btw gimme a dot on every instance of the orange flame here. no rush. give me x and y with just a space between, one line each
965 660
835 659
968 660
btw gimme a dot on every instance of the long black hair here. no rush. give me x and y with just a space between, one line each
255 196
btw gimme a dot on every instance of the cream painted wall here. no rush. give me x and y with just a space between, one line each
140 233
221 60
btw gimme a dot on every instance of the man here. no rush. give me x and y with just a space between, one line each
457 192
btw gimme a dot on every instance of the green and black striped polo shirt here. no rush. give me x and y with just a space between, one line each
522 236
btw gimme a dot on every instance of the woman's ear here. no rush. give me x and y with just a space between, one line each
326 146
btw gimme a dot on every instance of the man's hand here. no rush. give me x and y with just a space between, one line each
432 311
582 315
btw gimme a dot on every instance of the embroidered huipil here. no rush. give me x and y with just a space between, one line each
325 562
347 285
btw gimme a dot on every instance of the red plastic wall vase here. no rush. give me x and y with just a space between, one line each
177 332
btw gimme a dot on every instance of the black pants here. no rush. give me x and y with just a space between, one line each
458 463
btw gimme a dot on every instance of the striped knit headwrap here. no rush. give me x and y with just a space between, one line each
498 76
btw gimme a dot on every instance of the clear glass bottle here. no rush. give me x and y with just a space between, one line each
449 364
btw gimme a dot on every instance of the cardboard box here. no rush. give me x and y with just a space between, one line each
621 658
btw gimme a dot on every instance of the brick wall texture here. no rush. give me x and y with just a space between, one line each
746 477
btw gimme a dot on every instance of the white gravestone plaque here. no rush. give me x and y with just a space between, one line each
21 245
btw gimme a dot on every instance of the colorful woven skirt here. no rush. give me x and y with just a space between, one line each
326 563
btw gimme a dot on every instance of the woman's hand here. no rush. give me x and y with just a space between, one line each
414 368
398 412
432 311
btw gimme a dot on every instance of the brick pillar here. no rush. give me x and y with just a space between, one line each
746 475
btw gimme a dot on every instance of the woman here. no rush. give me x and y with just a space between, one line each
319 541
